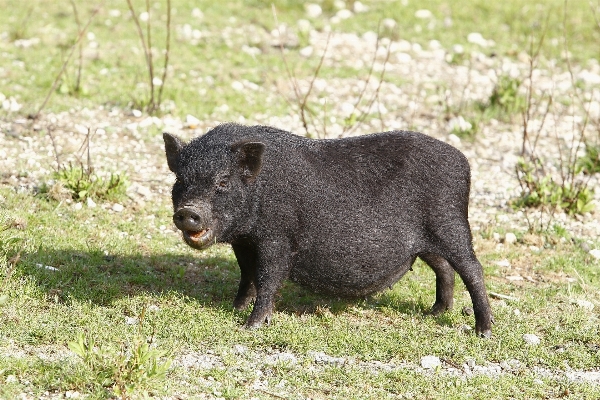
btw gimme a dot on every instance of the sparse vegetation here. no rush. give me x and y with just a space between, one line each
79 184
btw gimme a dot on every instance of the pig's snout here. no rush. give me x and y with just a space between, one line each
188 219
193 223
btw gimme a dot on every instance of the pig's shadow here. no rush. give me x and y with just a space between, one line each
212 281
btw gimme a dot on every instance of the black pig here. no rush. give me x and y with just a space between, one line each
347 217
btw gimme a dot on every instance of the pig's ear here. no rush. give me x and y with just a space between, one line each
172 147
250 156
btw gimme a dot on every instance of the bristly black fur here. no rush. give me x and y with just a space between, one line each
346 217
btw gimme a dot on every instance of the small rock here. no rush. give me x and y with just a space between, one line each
136 113
284 358
72 394
503 263
477 38
588 305
423 14
531 339
467 311
359 7
455 140
313 10
595 253
344 14
90 203
322 358
239 349
11 379
117 207
191 121
466 328
510 238
430 362
77 206
131 320
389 23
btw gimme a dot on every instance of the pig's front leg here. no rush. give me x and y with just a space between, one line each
272 268
246 258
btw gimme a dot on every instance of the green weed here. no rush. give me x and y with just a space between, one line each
590 162
541 190
127 371
81 183
505 100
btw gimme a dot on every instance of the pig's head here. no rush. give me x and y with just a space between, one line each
211 196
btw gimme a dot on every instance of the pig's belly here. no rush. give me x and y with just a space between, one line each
352 277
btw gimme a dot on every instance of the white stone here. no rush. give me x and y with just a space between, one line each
237 85
430 362
346 109
458 48
503 263
477 38
313 10
389 23
307 51
423 14
117 207
304 25
191 121
239 349
588 305
459 124
455 140
339 4
595 253
344 14
90 203
531 339
510 238
360 7
197 13
77 206
136 113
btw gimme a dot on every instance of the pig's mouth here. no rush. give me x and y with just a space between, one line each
199 239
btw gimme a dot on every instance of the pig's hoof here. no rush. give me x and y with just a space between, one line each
486 334
252 326
438 309
255 323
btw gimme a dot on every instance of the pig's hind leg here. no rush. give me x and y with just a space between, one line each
444 283
455 245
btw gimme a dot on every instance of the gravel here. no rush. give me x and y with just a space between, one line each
127 140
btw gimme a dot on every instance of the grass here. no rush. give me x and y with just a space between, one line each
71 277
202 71
107 279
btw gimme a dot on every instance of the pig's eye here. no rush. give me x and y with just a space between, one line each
223 183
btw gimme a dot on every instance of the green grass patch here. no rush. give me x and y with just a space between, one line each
161 300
